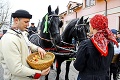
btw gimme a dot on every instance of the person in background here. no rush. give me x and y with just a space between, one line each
32 29
95 54
114 67
118 36
15 48
114 31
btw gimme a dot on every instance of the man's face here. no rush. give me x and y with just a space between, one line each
22 23
118 35
32 25
115 35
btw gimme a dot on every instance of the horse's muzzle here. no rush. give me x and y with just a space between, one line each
57 39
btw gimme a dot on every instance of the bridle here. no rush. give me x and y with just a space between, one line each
81 27
50 17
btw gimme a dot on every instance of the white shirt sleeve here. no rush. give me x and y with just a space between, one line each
117 49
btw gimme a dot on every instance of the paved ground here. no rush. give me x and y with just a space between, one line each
72 74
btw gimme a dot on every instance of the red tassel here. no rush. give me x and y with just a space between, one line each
37 75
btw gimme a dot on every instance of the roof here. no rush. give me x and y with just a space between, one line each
72 6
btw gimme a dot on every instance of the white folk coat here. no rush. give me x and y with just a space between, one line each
13 54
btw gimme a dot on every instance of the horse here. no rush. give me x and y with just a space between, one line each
50 31
77 29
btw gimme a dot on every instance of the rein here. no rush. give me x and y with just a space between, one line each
66 49
42 38
48 17
57 45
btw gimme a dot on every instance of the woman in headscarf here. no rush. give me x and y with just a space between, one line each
95 54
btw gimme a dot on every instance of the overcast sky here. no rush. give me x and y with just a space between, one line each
38 8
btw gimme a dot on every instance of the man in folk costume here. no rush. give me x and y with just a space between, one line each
94 55
15 48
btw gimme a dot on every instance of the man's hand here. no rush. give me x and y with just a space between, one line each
41 52
45 72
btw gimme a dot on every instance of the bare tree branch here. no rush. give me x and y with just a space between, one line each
4 13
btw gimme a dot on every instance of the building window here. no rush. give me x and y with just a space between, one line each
89 3
70 10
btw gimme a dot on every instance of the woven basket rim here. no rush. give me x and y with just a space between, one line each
41 63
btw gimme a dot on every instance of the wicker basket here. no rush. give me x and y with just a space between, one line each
45 62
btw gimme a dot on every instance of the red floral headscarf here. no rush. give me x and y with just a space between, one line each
103 35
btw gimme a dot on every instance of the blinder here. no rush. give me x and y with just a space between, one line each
78 28
50 18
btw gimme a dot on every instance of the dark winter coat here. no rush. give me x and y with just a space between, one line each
90 64
32 30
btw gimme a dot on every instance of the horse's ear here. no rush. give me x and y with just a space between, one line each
57 10
87 25
49 9
86 20
81 20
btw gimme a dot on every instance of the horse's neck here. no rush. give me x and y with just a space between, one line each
66 35
45 40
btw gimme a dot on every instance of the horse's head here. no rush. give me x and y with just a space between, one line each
52 25
81 29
